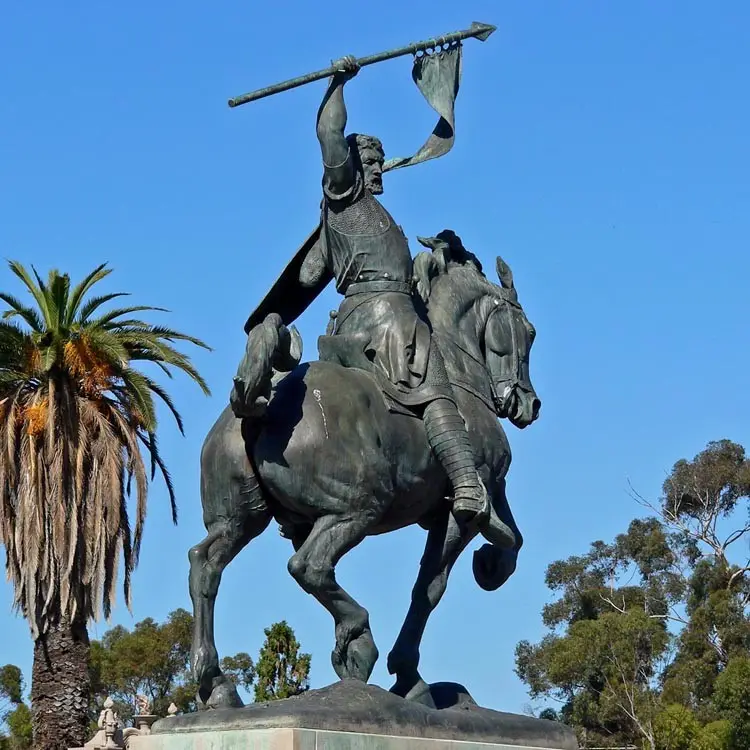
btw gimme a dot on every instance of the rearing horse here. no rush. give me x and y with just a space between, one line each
332 461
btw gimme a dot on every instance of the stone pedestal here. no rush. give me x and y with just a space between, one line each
350 715
300 739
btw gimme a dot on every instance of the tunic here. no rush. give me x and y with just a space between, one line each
369 257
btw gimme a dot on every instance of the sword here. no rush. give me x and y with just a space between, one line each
477 30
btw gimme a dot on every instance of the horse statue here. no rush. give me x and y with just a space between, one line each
333 461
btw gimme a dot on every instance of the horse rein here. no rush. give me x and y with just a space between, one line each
513 381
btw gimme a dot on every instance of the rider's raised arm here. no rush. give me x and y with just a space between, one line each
338 167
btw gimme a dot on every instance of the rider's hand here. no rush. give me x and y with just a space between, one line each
346 68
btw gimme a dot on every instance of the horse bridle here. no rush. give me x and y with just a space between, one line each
513 381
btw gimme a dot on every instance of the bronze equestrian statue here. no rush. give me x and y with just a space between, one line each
395 424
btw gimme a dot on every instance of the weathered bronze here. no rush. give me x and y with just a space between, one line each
477 30
395 424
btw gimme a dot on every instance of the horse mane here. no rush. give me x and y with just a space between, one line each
448 252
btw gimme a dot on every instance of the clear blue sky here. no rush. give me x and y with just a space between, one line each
602 149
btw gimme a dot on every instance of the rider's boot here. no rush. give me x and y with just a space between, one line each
448 438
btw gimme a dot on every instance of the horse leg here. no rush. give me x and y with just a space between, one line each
445 542
234 512
313 567
493 565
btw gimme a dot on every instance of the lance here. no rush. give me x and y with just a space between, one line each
477 30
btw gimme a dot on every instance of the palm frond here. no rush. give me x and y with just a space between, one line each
51 354
153 449
74 437
14 343
17 307
42 286
167 399
136 386
156 359
146 347
81 289
111 316
36 290
94 304
59 291
172 335
107 346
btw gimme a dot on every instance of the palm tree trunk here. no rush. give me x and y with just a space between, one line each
60 687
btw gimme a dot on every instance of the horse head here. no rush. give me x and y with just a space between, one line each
485 321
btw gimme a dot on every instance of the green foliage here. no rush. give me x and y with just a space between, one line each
675 728
153 660
16 716
241 668
11 683
607 642
712 483
714 736
18 722
649 635
281 670
602 669
549 714
77 419
701 497
732 700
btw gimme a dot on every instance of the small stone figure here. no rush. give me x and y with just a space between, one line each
143 718
110 735
142 705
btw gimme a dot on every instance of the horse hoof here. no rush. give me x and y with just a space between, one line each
492 567
420 693
356 659
205 664
224 695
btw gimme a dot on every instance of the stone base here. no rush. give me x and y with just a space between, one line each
351 714
300 739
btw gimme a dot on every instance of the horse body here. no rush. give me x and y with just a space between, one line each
323 415
333 464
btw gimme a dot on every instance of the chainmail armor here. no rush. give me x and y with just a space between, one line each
365 217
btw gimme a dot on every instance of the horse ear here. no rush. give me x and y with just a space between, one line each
441 250
504 273
436 244
426 269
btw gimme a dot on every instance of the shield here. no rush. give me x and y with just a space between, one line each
287 297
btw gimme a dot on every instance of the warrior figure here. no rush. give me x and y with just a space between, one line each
368 255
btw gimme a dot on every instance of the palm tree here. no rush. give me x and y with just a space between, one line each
76 420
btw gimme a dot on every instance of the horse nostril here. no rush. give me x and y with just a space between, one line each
536 404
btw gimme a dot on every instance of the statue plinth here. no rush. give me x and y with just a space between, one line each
356 716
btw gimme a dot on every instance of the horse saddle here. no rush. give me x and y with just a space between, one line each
350 351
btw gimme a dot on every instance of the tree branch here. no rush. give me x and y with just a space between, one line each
622 610
671 517
735 535
737 574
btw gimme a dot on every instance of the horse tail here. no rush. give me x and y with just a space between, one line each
271 348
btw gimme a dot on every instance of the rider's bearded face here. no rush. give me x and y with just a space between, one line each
372 163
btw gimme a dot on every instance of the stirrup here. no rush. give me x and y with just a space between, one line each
473 506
